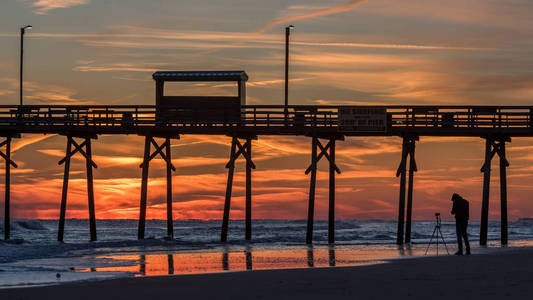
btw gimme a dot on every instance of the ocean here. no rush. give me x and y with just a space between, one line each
34 257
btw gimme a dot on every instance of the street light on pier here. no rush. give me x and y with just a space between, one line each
287 34
22 31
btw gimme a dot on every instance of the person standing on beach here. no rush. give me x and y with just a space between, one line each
461 211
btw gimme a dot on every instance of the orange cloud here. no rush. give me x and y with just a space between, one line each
44 6
317 13
392 46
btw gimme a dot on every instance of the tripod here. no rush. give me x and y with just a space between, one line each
436 234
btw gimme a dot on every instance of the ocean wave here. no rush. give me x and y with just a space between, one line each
30 225
38 238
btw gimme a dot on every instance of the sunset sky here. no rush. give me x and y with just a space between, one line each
476 52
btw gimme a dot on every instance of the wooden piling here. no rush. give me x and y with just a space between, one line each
227 202
170 259
401 208
225 260
331 252
248 233
170 219
64 191
331 215
7 204
503 192
142 264
412 169
486 191
90 190
310 256
249 261
312 185
144 188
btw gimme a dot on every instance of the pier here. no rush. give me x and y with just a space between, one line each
326 127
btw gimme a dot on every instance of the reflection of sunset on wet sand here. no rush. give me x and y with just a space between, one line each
197 263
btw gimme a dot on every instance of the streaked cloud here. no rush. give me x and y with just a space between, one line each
312 14
51 94
42 7
27 141
113 67
392 46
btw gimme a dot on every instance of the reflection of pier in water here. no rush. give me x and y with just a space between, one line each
310 258
248 259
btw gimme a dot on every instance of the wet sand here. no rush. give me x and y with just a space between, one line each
503 274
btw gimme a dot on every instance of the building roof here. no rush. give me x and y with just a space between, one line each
200 75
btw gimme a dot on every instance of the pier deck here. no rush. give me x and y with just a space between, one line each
256 120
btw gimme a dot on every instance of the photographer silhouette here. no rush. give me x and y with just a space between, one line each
461 209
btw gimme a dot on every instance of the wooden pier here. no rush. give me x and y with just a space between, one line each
324 125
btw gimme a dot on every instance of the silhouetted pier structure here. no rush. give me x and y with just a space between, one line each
173 116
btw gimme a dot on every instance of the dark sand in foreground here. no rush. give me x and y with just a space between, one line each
504 274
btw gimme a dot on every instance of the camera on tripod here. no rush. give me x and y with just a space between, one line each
437 217
437 234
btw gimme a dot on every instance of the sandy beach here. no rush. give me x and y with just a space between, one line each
504 273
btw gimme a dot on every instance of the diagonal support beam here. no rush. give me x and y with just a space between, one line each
408 151
64 191
494 145
229 185
89 164
247 153
7 158
78 148
245 150
163 150
401 209
324 153
312 188
158 150
315 158
236 151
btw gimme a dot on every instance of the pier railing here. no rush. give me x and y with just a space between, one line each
270 119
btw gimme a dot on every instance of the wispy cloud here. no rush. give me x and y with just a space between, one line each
273 82
7 86
42 7
392 46
27 141
317 13
113 67
53 94
136 37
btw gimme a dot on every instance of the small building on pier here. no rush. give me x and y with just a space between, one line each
200 109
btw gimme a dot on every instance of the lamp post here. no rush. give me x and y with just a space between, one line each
22 31
287 34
